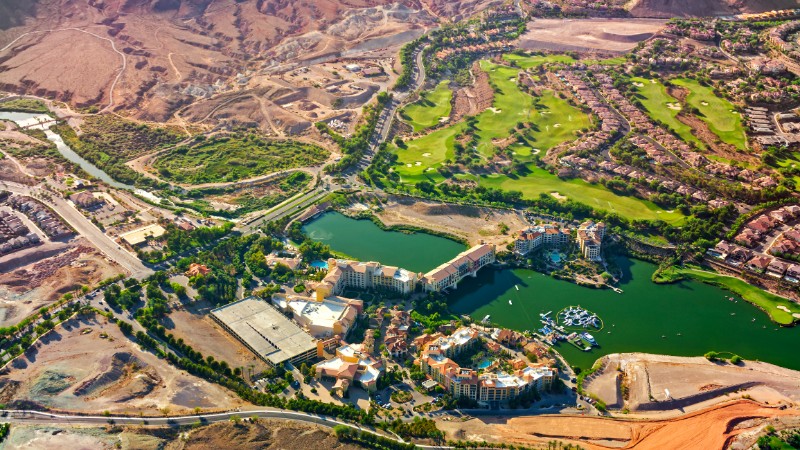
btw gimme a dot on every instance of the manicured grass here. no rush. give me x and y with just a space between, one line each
540 181
767 301
616 61
430 108
716 112
555 120
528 61
233 158
430 151
654 97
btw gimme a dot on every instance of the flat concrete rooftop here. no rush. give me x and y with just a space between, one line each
265 329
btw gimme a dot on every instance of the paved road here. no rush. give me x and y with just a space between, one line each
287 208
84 227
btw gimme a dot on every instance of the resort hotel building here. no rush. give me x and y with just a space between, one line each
351 365
486 388
590 239
465 263
540 235
364 275
331 316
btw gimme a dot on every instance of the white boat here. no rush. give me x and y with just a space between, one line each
509 302
486 319
516 287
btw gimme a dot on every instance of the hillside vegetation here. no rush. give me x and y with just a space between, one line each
233 158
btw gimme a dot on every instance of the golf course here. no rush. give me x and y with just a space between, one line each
430 108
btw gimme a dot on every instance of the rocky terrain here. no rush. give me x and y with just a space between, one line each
149 58
86 364
264 434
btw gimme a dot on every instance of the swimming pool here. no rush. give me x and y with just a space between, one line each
319 264
485 363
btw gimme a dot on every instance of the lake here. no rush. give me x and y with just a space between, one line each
682 319
364 241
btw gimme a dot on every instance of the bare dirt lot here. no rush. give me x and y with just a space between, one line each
195 327
37 277
474 224
89 365
264 434
707 429
691 382
589 35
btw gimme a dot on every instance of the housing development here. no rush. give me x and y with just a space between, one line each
528 224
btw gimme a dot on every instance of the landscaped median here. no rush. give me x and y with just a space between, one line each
781 310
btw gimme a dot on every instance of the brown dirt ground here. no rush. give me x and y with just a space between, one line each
708 429
195 327
475 224
41 275
602 35
72 371
471 100
264 434
650 375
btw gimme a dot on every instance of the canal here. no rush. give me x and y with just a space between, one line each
22 118
364 241
682 319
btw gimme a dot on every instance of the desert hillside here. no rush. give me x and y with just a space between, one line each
150 57
702 8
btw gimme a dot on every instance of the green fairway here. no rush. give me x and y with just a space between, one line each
554 119
595 195
767 301
663 107
420 157
430 108
717 112
615 61
528 61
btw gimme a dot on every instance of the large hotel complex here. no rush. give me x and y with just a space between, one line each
589 238
485 388
344 274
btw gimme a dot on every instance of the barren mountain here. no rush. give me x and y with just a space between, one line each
141 56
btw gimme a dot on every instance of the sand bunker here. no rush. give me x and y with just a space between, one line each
443 119
637 84
495 110
418 163
409 165
558 125
704 103
426 155
558 196
675 106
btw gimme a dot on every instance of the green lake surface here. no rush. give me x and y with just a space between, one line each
364 241
684 319
646 317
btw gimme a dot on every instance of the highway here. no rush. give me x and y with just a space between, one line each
83 227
